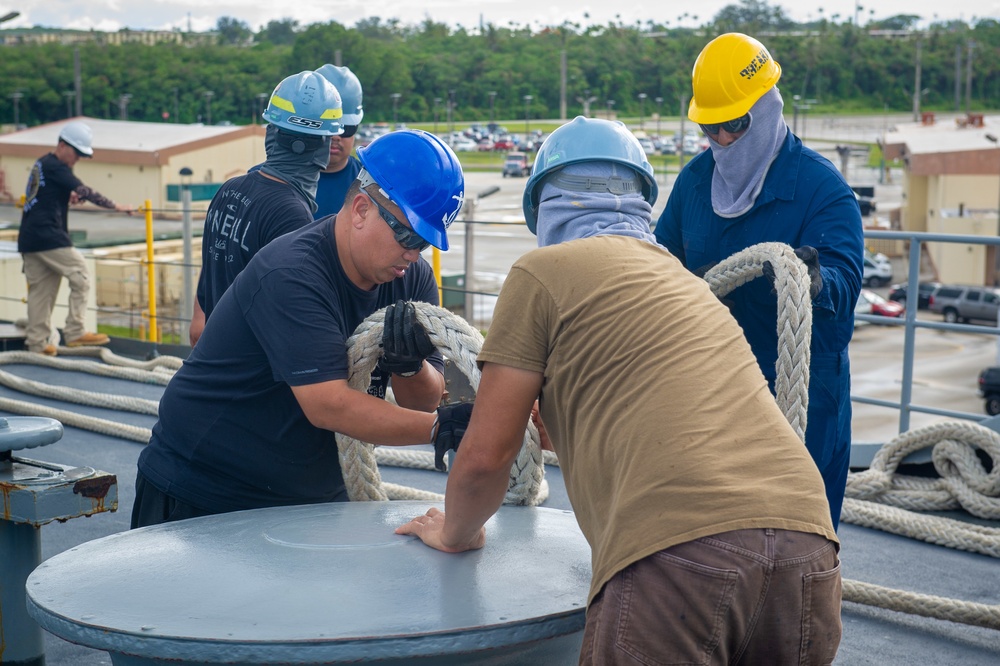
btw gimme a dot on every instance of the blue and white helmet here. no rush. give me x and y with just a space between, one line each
306 103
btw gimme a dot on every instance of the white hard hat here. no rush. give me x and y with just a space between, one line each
78 135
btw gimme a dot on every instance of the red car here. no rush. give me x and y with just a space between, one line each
881 306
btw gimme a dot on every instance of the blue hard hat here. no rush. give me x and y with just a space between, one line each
349 87
587 140
306 103
419 173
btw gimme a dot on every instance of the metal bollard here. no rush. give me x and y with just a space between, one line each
35 493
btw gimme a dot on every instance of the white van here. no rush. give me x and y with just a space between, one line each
877 269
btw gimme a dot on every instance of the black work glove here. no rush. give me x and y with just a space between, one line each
704 269
453 419
810 257
405 344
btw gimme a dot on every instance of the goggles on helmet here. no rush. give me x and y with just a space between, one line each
731 126
407 238
349 131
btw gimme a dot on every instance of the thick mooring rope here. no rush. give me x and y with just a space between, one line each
791 282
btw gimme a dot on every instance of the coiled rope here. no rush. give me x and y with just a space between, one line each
964 483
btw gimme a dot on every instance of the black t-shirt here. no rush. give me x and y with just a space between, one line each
247 213
231 434
46 206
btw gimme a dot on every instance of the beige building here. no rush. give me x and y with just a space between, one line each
135 161
952 187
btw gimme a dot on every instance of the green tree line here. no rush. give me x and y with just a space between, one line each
634 69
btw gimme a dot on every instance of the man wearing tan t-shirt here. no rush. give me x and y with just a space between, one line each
711 533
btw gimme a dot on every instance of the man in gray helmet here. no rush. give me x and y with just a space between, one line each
710 530
344 167
251 210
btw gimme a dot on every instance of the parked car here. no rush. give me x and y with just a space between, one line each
647 146
924 291
881 306
504 142
861 307
989 388
516 164
877 269
959 303
866 203
463 145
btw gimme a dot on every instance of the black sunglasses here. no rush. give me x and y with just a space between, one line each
731 126
407 238
349 131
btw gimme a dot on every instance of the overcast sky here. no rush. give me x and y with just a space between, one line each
113 15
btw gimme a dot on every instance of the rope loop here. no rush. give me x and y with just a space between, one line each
791 282
460 343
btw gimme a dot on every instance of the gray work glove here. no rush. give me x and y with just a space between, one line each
405 343
453 419
810 257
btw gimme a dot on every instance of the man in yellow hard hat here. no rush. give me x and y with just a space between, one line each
759 183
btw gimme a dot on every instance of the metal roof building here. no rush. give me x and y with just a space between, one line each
952 186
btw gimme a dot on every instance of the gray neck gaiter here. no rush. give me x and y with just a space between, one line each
740 167
300 170
565 215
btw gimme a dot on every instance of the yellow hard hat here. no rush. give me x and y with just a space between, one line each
731 73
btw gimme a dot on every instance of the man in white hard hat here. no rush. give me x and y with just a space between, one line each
45 245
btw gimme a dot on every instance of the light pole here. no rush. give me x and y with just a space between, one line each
260 106
123 106
611 105
208 106
642 111
69 95
187 300
395 105
493 96
437 100
17 96
659 105
527 110
451 109
996 260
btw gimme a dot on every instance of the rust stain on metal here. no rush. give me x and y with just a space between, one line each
6 500
96 488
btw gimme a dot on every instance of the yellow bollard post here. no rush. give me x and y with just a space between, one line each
436 265
21 200
154 331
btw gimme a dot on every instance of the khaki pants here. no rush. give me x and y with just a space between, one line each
748 597
44 271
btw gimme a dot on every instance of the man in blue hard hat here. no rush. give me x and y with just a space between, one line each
45 245
711 535
249 420
343 167
251 210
